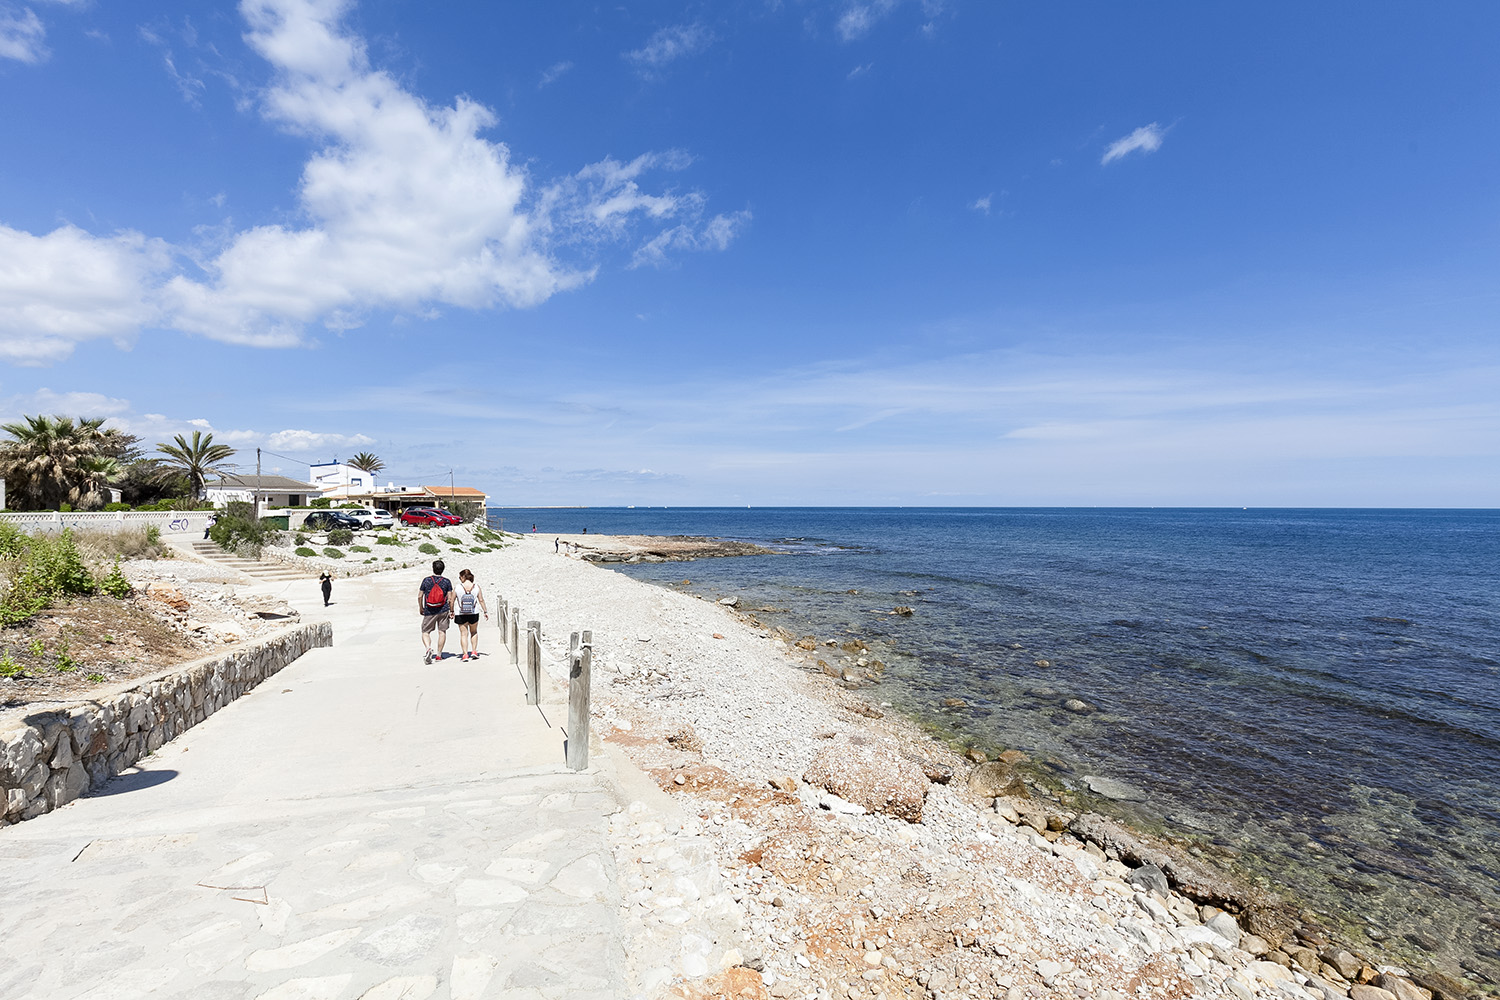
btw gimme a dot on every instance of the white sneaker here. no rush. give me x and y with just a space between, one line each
427 657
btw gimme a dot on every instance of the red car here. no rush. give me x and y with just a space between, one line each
429 515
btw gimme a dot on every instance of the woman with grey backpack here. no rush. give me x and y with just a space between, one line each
468 602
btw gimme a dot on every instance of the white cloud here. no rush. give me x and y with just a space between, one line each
1146 139
982 205
670 44
860 70
551 73
404 207
68 286
22 36
298 440
859 18
71 404
716 234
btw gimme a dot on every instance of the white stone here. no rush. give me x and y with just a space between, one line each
488 892
319 988
300 953
527 870
583 879
471 975
402 988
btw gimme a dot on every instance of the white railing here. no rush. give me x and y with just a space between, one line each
169 521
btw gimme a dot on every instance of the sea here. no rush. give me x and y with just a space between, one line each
1308 698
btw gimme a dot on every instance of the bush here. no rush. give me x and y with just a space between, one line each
322 504
41 569
387 540
359 548
114 583
428 548
112 507
340 536
388 559
301 538
479 548
238 531
333 553
446 540
303 550
132 543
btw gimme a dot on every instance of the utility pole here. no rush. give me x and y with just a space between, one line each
257 484
451 489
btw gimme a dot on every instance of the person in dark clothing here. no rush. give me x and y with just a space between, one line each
435 601
326 580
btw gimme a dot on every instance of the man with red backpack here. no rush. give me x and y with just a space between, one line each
434 601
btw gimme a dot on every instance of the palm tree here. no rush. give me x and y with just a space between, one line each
196 458
366 462
53 460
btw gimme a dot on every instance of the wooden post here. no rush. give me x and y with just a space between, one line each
579 667
533 663
515 639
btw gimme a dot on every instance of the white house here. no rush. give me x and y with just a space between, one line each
275 491
335 479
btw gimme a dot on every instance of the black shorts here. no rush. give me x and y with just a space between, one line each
466 619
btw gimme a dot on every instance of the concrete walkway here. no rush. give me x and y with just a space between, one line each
359 826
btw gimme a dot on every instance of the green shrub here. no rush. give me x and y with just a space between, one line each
387 540
428 548
333 553
114 584
359 548
96 678
153 534
448 540
478 548
321 504
340 536
301 538
41 568
8 665
238 531
303 550
111 507
65 662
388 559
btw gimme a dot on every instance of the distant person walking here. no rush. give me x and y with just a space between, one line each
468 601
326 580
556 545
434 600
213 519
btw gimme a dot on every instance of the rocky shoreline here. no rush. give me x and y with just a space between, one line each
864 859
655 548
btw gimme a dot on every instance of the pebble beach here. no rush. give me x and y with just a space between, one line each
840 852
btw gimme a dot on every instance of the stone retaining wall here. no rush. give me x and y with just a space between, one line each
51 757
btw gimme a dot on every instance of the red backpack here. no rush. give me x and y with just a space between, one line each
436 595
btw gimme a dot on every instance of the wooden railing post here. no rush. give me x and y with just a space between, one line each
533 663
580 665
515 639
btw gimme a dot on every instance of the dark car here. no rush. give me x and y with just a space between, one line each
324 520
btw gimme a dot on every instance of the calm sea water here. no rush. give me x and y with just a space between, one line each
1311 697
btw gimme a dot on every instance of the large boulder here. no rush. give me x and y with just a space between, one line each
871 775
994 779
1192 877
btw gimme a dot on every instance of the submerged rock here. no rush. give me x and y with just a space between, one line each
995 779
1111 788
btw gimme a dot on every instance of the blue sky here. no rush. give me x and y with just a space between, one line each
845 252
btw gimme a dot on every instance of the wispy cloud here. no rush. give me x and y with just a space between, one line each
1146 139
551 74
404 207
22 35
982 205
860 70
669 44
858 18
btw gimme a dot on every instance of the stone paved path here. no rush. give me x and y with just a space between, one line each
360 826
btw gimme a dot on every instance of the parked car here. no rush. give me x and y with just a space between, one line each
429 516
371 517
323 520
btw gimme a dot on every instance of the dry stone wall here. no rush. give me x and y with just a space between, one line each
49 758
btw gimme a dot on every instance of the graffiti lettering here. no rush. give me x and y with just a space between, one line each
178 524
